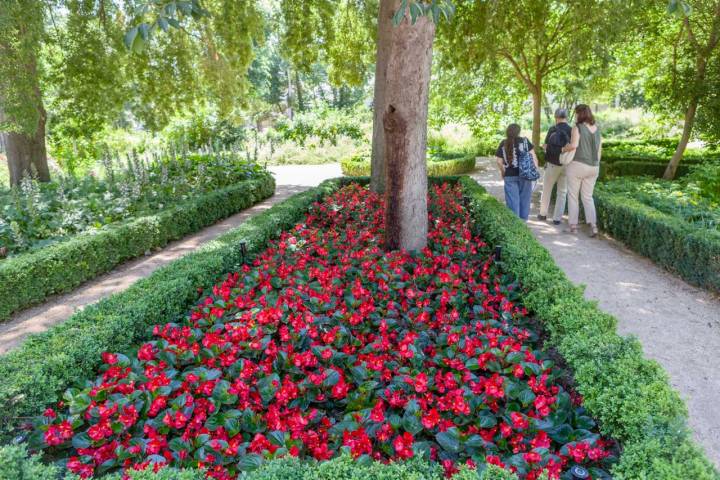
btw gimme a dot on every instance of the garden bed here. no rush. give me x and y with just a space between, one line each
29 277
436 166
668 222
629 395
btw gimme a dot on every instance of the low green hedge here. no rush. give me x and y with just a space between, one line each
15 464
627 168
353 167
628 394
36 373
689 251
30 278
612 157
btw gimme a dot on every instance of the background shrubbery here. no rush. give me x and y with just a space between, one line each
36 215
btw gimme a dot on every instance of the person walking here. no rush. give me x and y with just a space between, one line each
512 152
557 137
583 171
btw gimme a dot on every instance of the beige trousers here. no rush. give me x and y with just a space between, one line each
554 174
581 180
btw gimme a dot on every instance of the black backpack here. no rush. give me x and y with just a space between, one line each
555 143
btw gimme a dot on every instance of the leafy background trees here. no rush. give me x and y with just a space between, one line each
80 73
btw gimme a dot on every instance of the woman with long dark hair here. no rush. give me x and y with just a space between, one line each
517 188
583 171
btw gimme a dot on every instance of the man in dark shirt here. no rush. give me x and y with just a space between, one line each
557 137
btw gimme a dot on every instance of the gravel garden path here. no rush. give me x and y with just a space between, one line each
289 179
678 324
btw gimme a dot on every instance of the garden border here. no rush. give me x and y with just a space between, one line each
452 166
690 252
629 395
30 278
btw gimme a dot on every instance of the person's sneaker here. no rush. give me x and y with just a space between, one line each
542 218
557 222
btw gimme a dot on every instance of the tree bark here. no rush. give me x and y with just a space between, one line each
299 93
405 130
700 68
537 113
384 46
672 166
26 153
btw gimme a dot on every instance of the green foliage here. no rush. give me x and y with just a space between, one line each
36 215
654 150
663 57
30 278
706 177
47 364
339 33
622 168
202 128
86 65
16 464
326 125
629 395
360 166
21 24
669 222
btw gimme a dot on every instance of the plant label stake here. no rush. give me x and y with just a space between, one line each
243 250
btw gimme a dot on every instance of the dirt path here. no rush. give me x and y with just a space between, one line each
677 324
290 180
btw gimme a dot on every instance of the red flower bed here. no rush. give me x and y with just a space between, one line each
328 342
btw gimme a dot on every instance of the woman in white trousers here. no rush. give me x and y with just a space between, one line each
583 171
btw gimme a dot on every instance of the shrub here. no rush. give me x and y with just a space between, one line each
46 364
30 278
627 168
689 251
629 395
707 178
442 165
16 464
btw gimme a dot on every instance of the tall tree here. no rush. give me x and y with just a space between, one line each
22 112
537 39
698 41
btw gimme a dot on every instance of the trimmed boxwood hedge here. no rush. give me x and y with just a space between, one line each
30 278
627 168
435 168
36 373
612 157
16 465
628 394
689 251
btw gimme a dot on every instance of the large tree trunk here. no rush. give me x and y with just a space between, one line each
537 113
405 123
671 169
26 153
384 46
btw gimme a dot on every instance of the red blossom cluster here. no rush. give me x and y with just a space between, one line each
327 342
